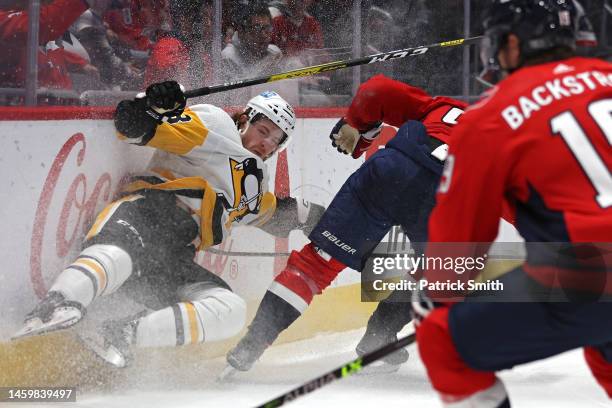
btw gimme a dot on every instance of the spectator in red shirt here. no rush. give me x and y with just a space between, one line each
55 18
298 35
183 54
137 22
296 30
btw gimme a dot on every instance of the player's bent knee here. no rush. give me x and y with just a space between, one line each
221 311
115 265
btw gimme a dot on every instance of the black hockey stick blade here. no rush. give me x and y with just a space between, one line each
346 370
330 66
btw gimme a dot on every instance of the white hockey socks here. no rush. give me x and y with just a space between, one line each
217 314
98 270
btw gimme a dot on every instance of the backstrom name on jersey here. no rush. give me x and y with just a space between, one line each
550 91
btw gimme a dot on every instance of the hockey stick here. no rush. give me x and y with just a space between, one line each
330 66
221 252
347 369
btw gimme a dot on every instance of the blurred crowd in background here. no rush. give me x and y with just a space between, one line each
98 48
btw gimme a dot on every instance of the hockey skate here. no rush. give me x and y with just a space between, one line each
53 313
113 343
373 340
243 356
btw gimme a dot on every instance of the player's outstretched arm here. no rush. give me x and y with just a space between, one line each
382 99
137 119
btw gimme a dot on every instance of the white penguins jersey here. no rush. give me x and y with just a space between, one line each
201 158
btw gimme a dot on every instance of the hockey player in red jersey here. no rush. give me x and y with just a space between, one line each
396 186
540 139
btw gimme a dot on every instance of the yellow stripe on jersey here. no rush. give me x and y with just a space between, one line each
206 212
206 224
181 136
193 322
107 213
184 183
266 209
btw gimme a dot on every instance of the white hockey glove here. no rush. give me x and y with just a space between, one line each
348 140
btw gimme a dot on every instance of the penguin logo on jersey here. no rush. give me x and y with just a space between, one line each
246 180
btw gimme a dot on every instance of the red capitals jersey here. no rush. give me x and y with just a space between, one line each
138 23
170 60
381 99
293 39
542 140
55 18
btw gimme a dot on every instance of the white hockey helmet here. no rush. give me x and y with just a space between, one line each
275 108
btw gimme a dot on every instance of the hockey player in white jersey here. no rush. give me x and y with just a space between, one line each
207 175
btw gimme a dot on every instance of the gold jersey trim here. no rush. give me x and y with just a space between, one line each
178 135
209 212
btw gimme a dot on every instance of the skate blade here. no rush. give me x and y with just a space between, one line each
110 355
59 321
227 375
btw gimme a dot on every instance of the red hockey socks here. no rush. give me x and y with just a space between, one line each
307 273
458 385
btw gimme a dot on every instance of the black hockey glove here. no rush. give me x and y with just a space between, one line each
165 99
133 121
138 118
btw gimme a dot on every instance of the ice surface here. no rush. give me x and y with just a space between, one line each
561 382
